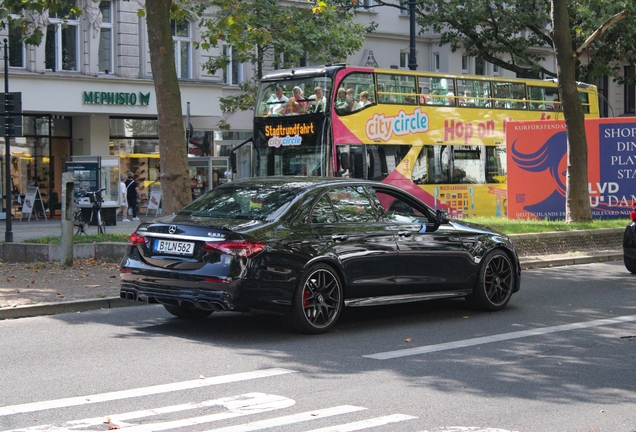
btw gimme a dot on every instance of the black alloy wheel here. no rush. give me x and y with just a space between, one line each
188 313
318 301
494 284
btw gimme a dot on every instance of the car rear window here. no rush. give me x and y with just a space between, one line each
241 201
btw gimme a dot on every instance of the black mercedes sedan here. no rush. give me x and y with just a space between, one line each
306 247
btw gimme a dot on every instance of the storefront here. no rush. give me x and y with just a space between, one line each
113 121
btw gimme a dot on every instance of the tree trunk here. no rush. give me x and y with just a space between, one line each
577 199
175 186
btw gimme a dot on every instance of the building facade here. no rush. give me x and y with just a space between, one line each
88 95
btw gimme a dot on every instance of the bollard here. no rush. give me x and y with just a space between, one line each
68 193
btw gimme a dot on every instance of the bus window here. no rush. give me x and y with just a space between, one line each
397 88
495 164
543 98
436 91
354 85
350 161
383 159
585 100
467 166
510 95
474 93
276 99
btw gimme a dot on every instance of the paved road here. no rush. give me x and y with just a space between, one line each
558 359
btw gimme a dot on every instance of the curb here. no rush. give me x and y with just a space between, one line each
116 302
64 307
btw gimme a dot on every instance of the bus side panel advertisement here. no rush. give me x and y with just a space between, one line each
537 167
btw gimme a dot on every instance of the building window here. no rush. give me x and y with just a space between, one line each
404 4
366 4
630 91
436 62
62 43
404 59
233 72
480 66
106 38
16 46
495 69
182 47
465 64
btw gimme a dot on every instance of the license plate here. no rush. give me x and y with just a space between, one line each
174 247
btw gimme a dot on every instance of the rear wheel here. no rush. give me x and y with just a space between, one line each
318 301
79 224
188 313
494 284
630 264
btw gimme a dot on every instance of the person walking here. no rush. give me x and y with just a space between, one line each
123 199
132 193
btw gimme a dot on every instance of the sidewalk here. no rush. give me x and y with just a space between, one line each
32 289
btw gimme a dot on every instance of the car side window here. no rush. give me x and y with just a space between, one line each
322 212
352 204
400 210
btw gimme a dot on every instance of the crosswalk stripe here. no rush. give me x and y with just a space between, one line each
143 391
295 418
237 406
365 424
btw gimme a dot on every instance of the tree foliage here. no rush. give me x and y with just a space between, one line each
267 32
514 34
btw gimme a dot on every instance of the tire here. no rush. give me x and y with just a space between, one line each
317 303
188 313
79 224
630 264
495 282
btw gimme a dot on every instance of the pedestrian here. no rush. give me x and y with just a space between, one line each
123 200
132 195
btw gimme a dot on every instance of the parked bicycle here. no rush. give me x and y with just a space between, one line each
96 218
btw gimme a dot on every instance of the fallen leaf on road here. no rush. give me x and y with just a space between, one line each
408 340
91 286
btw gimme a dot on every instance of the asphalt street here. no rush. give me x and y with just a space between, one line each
558 359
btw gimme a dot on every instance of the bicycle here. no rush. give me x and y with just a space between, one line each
80 223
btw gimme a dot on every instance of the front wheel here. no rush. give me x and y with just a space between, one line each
495 282
630 264
79 224
188 313
318 301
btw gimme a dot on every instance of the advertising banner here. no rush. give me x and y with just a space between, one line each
537 168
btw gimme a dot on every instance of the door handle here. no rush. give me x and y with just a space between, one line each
339 237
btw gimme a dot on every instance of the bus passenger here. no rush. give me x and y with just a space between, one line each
317 101
467 100
364 100
277 102
297 103
450 98
344 103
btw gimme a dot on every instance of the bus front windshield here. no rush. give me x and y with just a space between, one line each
298 96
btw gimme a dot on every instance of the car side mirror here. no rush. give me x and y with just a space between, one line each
441 217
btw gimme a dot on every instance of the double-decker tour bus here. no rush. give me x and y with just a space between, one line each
438 136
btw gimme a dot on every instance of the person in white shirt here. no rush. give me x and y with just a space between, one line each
277 107
123 202
318 101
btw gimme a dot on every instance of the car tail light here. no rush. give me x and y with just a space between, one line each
237 248
136 239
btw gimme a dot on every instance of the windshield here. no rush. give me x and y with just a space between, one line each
242 202
301 96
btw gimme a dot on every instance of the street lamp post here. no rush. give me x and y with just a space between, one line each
8 234
412 58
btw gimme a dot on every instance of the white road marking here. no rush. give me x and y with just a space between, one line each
365 424
294 418
498 338
143 391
